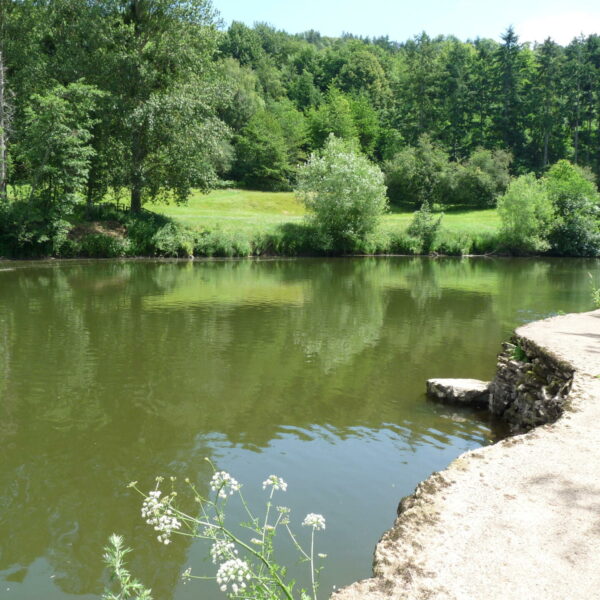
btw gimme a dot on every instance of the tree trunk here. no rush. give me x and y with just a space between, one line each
4 122
546 137
136 175
136 199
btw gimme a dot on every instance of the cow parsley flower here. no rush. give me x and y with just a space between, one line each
157 511
277 482
233 575
222 550
224 484
315 521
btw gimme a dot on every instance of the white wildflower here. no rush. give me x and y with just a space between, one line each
222 550
224 484
315 521
186 576
277 482
233 574
157 511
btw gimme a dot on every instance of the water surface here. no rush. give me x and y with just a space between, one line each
310 369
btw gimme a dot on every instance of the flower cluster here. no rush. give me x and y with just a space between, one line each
276 482
315 521
222 550
233 574
224 484
158 513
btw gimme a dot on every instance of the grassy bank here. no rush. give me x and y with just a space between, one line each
228 223
278 219
243 210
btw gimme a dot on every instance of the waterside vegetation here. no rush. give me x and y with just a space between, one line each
111 104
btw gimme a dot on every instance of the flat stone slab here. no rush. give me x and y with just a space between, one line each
518 519
459 391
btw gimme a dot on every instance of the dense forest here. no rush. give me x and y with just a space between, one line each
149 99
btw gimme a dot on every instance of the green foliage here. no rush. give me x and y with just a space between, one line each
363 73
418 174
367 125
56 151
100 245
262 154
335 117
127 587
222 243
344 193
482 179
31 229
246 99
595 292
294 127
424 227
576 229
157 64
527 214
172 240
519 354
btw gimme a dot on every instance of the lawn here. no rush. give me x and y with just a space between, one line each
243 210
235 210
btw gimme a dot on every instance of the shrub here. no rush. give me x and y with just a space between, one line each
100 245
453 244
424 227
418 174
576 230
345 194
526 212
482 178
31 229
222 243
173 241
141 229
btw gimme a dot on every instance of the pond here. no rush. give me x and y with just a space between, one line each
310 369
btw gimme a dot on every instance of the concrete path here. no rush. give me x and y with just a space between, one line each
517 520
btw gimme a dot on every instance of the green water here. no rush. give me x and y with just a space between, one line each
310 369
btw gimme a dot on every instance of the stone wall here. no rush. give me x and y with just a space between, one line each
530 387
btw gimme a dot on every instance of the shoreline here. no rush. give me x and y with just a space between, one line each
518 519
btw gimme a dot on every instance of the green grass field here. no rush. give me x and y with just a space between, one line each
249 211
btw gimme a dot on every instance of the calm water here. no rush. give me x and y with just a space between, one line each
310 369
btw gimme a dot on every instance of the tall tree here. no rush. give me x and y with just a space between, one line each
457 97
510 79
160 70
546 103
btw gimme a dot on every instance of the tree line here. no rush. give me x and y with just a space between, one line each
153 97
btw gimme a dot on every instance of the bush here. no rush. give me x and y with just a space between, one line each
576 231
30 229
222 243
173 241
418 174
345 194
526 212
424 227
99 245
141 229
482 179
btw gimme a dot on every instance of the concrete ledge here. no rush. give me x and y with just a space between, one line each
468 392
519 519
